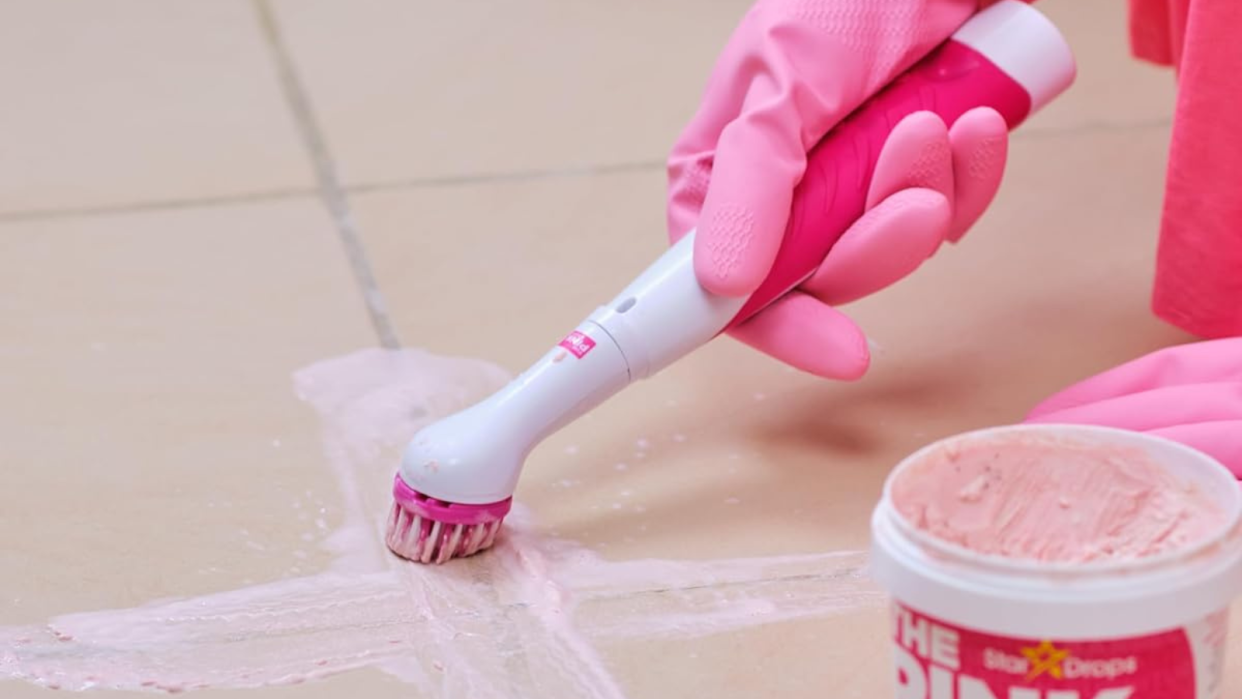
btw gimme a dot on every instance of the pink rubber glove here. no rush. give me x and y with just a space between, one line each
1191 394
792 71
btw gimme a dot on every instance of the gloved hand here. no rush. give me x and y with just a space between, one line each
1191 394
792 71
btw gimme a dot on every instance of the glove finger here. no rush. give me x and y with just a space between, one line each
979 140
884 246
1158 408
1221 440
916 154
808 335
759 161
1195 363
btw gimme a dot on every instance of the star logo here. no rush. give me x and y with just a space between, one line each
1045 659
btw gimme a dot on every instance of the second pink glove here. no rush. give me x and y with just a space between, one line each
1191 394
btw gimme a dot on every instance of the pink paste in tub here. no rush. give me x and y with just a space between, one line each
1054 501
1059 562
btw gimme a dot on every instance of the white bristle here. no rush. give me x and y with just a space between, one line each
491 534
477 532
414 539
429 543
450 549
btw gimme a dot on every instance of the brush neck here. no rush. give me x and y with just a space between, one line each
584 370
665 314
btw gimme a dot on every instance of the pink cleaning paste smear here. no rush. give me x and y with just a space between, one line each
522 620
1053 500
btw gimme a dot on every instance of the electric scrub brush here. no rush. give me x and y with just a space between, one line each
457 476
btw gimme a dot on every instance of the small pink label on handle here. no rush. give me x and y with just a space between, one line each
578 344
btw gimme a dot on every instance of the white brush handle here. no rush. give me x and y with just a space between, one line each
665 313
475 456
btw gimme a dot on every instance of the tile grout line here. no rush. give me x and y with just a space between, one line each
20 215
133 207
334 196
1089 127
510 176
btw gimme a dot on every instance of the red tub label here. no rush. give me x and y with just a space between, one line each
936 660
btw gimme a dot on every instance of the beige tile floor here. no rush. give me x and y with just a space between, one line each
197 199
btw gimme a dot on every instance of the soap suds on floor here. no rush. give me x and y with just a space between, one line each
521 618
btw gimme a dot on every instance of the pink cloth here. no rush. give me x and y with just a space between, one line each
1199 268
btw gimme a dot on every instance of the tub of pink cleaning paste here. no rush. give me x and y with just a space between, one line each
1059 562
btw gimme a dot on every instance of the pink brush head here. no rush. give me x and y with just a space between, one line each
427 530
